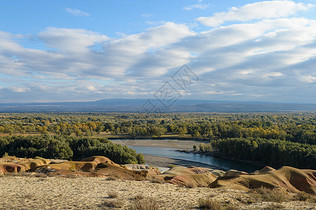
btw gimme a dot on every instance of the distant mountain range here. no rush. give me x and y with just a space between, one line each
142 105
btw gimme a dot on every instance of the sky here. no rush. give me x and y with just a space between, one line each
79 50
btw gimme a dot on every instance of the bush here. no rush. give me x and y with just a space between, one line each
140 158
207 203
112 194
274 206
145 204
303 196
272 195
66 147
112 204
138 197
31 146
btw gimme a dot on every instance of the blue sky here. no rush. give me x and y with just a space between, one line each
89 50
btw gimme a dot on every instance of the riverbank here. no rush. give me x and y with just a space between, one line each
158 161
166 155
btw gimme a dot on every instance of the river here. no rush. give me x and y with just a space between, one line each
198 158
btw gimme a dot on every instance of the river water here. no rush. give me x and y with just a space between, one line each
198 158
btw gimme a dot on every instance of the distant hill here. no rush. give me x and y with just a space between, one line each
140 105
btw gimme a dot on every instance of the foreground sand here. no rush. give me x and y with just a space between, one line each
20 192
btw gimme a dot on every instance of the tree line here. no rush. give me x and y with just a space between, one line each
66 147
290 127
272 152
270 138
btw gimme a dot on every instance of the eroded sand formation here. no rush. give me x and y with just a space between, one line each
288 178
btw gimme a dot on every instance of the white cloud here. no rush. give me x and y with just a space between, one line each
90 87
134 48
71 40
269 59
255 11
272 74
20 89
196 6
76 12
217 92
308 79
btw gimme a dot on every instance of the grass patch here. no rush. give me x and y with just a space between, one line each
189 185
112 194
138 197
112 204
145 204
303 196
111 178
28 196
155 180
42 175
273 206
211 204
72 176
266 194
246 200
207 203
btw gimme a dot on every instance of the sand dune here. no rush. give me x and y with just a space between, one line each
88 183
188 177
289 178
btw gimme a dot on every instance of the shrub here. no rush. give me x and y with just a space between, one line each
28 196
111 178
112 204
266 194
145 204
138 197
303 196
112 194
194 148
156 180
312 199
274 206
140 158
207 203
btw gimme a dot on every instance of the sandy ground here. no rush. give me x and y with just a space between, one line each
18 192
